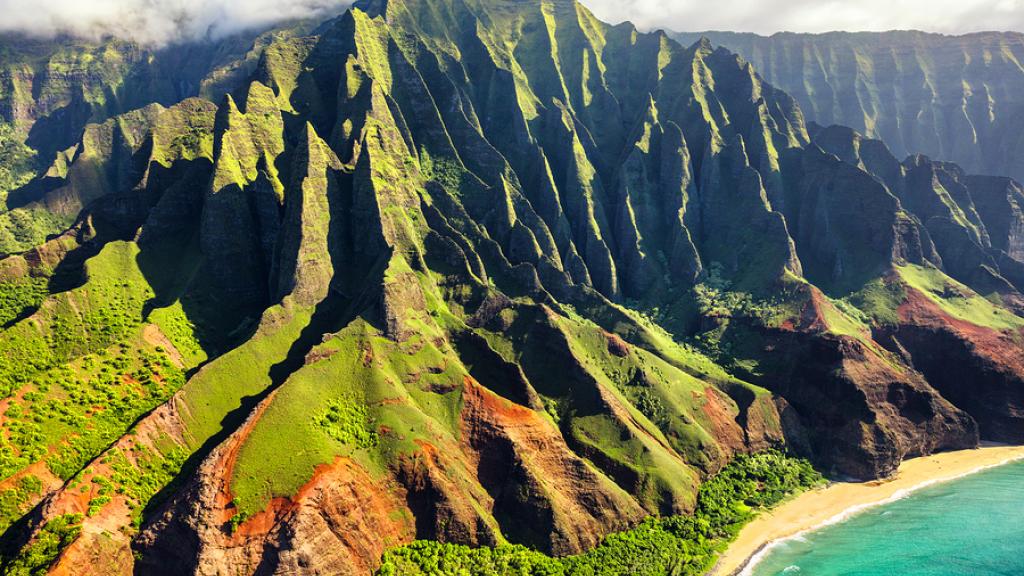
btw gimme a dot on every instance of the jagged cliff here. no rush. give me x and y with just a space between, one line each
954 98
50 89
482 272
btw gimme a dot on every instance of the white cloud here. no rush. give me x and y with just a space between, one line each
163 21
153 21
769 16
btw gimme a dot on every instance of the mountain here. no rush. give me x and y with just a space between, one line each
476 271
953 98
50 89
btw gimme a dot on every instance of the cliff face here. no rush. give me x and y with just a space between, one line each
973 222
954 98
935 325
479 272
50 89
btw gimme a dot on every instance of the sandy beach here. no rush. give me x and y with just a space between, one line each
838 500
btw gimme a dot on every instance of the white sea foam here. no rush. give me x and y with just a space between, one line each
801 536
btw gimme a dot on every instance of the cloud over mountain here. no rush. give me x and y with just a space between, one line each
153 21
165 21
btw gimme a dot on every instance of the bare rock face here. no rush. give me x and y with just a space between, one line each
980 370
542 494
534 488
866 410
1000 203
445 510
340 522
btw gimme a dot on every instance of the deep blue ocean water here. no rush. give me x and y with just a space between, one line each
970 526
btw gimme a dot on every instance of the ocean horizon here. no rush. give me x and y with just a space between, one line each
973 525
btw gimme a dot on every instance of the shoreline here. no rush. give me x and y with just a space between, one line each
838 501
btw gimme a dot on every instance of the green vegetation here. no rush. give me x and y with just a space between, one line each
958 300
665 404
69 414
879 300
220 386
105 311
140 480
345 420
17 162
451 289
82 370
23 228
14 501
87 319
336 405
716 298
179 329
719 303
843 318
216 390
20 295
676 545
55 536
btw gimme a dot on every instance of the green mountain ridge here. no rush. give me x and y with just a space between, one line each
50 89
480 272
952 98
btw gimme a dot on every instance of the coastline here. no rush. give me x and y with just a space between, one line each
839 500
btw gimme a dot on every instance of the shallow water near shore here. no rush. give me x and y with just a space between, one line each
969 526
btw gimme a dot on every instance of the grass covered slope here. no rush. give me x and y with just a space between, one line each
82 369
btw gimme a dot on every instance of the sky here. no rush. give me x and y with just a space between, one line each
770 16
166 21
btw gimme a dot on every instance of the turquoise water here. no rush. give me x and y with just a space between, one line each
973 526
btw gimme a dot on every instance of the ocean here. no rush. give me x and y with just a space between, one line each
971 526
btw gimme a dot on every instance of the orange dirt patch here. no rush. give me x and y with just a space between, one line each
38 469
720 414
1002 347
477 395
153 336
230 458
318 355
365 515
812 319
616 345
5 404
365 502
